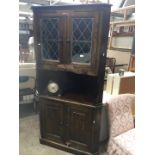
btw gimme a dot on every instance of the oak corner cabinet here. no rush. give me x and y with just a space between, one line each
70 46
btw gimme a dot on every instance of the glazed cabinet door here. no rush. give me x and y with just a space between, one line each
51 118
49 39
79 127
82 39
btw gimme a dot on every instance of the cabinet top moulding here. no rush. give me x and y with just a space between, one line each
70 7
75 100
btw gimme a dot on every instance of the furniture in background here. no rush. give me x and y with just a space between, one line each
27 79
131 67
121 125
70 46
122 27
110 66
111 62
120 84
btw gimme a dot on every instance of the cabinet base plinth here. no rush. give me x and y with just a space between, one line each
65 147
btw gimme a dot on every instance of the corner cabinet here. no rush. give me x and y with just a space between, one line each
70 46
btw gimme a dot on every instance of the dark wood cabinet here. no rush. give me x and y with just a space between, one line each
70 46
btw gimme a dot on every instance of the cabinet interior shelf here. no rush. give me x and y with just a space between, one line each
73 98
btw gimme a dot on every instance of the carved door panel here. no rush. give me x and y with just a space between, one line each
52 120
79 127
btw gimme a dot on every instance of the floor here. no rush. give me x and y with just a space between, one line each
29 134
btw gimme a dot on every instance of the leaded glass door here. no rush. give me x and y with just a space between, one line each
68 41
51 38
82 35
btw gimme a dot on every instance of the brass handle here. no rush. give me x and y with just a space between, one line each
68 143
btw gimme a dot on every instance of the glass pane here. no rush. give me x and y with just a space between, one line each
49 38
81 39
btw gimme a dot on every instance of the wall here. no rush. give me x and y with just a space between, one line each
122 42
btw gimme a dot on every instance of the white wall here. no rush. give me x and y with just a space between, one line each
122 42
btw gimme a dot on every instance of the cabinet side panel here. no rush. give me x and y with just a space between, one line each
104 29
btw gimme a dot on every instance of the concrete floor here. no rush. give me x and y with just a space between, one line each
29 135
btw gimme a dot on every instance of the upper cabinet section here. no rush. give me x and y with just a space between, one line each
71 38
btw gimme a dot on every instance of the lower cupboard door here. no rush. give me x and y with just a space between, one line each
52 120
79 127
